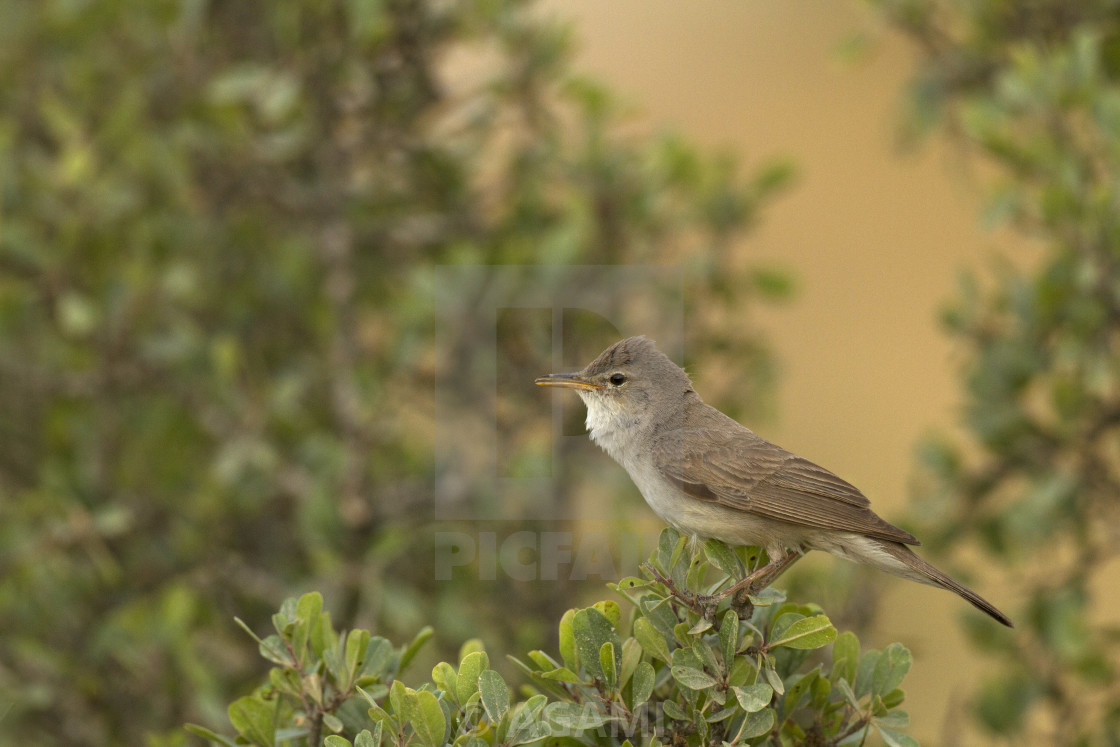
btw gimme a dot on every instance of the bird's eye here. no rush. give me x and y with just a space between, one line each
617 379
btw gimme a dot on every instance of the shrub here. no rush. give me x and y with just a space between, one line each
658 669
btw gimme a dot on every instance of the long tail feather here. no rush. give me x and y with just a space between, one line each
934 577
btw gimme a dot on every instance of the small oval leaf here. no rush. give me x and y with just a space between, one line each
495 694
807 633
693 679
641 686
754 697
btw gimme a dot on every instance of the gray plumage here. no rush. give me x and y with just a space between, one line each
709 476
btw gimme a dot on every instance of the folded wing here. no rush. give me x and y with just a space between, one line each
745 472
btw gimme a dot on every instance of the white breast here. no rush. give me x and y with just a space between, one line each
608 429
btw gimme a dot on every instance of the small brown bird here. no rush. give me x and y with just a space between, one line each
708 476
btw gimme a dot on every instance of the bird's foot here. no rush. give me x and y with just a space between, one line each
741 592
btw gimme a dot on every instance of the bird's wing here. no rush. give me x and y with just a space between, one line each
745 472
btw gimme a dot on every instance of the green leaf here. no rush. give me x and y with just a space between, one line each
723 558
864 672
323 635
896 719
541 682
592 629
469 671
307 614
849 694
608 665
704 653
495 694
526 724
366 738
309 606
667 543
845 656
800 689
397 699
543 660
894 698
313 686
641 685
783 618
610 610
427 720
701 625
332 722
659 613
378 657
675 712
335 661
808 633
758 723
630 583
273 649
686 657
754 697
379 715
742 672
563 674
334 740
651 640
631 655
357 644
414 647
286 681
729 638
530 732
254 719
568 641
445 678
693 679
890 669
773 678
675 566
575 715
723 714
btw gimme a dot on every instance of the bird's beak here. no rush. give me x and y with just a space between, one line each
567 381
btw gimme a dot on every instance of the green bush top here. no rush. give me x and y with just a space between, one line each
660 669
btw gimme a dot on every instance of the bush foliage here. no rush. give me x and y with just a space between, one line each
655 671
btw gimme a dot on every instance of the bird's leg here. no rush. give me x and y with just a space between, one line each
760 578
756 580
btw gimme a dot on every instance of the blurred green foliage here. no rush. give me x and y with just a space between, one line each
1034 88
654 672
218 228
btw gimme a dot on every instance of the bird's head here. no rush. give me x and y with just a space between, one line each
629 383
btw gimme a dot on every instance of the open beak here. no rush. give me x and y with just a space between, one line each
567 381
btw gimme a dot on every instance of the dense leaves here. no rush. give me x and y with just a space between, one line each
652 675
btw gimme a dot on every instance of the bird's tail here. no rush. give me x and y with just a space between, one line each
921 571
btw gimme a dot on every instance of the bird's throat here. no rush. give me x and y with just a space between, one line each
610 428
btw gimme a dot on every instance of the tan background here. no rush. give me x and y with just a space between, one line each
874 236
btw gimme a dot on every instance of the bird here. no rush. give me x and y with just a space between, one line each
709 476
